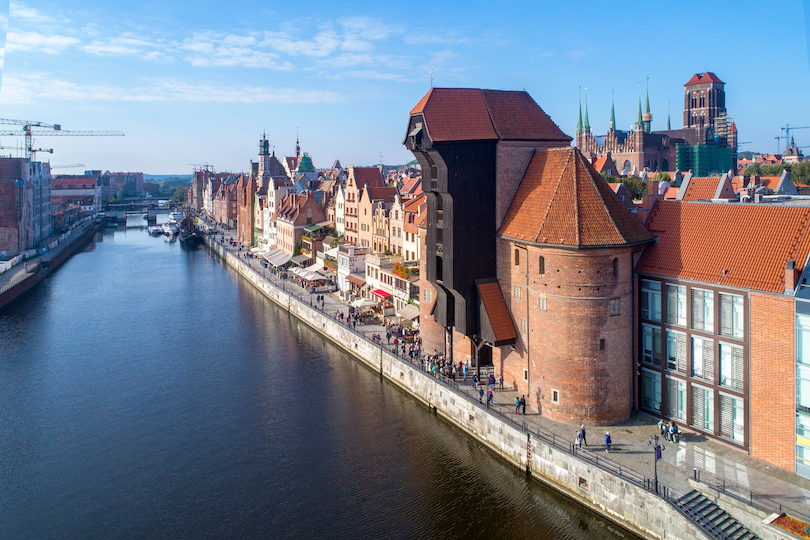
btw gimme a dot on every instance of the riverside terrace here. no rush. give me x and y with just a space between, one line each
724 469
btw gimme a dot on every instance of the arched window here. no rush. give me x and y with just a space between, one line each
615 268
517 257
541 265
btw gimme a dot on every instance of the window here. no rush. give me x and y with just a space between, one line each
803 387
555 396
524 326
703 358
616 262
732 417
517 292
731 366
651 390
676 398
676 305
543 306
702 310
650 300
676 351
651 337
615 306
517 257
525 374
702 408
601 344
541 265
731 315
428 295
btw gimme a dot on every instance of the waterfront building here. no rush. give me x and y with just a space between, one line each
245 201
473 146
295 212
340 211
73 196
372 217
25 204
357 179
723 325
224 204
351 268
396 224
411 210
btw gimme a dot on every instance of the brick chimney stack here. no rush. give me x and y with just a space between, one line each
791 277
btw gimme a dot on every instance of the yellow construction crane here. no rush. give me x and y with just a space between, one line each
49 130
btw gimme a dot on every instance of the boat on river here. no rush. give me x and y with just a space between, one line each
155 230
170 228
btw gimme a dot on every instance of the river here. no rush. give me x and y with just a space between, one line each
148 391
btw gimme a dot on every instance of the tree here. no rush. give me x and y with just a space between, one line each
800 172
661 176
179 195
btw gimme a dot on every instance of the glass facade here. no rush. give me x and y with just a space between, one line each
803 388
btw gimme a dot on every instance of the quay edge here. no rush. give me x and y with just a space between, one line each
623 503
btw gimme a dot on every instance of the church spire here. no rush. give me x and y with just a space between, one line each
647 117
639 121
668 125
579 118
612 114
587 125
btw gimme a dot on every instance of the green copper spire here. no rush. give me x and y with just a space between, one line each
639 122
668 126
647 106
579 120
587 125
612 114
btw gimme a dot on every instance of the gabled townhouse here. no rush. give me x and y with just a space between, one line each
224 204
372 217
351 270
340 211
277 190
296 212
396 224
358 178
412 210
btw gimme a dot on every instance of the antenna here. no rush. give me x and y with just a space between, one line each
431 76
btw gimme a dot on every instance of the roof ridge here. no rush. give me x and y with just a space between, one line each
489 113
576 196
794 251
554 194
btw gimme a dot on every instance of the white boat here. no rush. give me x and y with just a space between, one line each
155 230
170 228
176 216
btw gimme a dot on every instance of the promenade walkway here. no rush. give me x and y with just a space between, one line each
719 466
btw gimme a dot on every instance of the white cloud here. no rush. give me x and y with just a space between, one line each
29 14
34 41
40 87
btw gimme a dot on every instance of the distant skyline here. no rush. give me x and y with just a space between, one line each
196 83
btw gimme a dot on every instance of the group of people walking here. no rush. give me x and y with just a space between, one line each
669 430
581 438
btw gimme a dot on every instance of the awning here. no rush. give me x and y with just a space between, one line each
356 280
332 252
497 327
298 259
363 302
379 293
256 250
325 272
409 312
276 257
313 228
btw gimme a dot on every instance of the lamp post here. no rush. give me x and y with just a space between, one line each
659 450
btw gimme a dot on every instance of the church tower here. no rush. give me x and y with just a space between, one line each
704 101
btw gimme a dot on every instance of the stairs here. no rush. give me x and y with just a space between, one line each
713 520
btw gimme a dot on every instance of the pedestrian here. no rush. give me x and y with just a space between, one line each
474 379
607 441
500 379
523 403
666 431
662 426
489 398
578 439
517 405
480 395
465 371
582 434
673 433
388 336
491 380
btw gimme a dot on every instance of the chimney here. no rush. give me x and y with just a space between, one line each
791 277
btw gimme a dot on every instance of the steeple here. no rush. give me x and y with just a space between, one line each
579 119
647 117
587 125
639 121
668 125
297 147
612 114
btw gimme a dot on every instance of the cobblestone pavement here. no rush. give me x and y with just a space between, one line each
717 464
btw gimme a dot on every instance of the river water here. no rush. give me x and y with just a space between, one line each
147 391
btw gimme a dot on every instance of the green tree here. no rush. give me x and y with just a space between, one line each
179 195
800 172
661 176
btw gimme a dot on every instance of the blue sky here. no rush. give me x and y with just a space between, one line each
198 82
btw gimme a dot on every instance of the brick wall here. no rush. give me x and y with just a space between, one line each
561 346
772 380
431 332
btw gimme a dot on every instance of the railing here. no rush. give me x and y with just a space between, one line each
16 280
762 503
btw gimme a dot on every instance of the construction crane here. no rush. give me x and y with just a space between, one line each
787 129
48 130
74 166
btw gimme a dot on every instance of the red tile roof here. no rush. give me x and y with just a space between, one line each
769 182
465 114
496 311
671 193
701 188
704 78
697 241
385 194
561 200
367 175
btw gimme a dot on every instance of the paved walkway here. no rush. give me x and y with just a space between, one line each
717 464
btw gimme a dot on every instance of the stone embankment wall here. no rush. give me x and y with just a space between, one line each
608 494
